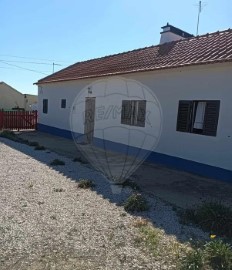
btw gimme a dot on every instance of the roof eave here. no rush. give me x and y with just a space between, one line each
136 71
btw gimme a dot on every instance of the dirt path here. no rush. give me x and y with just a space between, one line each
176 187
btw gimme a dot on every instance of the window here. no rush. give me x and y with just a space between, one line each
200 117
133 112
45 106
63 103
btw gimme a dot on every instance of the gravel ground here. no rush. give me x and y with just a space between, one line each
41 228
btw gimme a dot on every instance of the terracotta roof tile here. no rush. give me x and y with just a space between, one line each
210 48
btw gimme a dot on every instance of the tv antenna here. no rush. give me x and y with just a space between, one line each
201 5
53 66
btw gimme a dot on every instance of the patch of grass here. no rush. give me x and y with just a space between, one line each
136 202
193 260
148 236
58 190
151 238
211 216
214 255
40 148
219 255
85 183
177 250
8 134
57 162
81 160
131 184
140 222
138 241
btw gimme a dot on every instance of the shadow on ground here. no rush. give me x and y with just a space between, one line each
179 188
175 188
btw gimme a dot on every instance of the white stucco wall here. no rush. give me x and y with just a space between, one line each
207 82
109 93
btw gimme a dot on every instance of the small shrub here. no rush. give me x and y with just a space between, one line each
8 134
85 183
57 162
219 255
213 217
215 255
35 144
40 202
58 190
193 260
131 184
40 148
81 160
136 203
24 204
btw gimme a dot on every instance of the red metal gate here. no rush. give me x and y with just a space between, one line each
16 120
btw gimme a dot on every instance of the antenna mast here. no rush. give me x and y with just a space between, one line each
53 66
199 12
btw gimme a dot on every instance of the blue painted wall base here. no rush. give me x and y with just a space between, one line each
153 157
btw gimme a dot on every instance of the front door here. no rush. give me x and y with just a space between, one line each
89 118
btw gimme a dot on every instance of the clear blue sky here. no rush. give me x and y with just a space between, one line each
68 31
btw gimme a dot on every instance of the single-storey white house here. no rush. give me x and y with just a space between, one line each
173 99
11 98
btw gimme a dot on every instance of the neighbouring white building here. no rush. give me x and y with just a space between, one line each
176 95
10 98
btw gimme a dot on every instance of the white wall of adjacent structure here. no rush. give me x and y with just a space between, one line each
206 82
11 98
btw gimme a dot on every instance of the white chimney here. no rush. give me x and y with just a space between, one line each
171 33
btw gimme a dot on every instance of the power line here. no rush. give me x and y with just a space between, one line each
32 70
25 62
22 70
8 68
40 59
